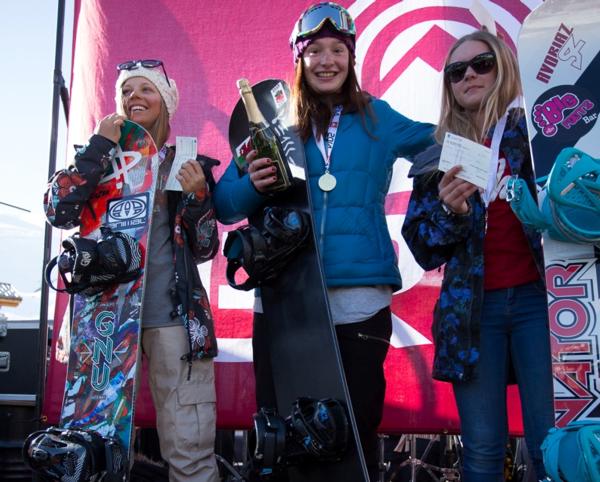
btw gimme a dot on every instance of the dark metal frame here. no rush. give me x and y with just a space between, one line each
60 95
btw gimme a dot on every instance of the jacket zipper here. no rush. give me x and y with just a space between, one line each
322 228
481 291
365 337
189 302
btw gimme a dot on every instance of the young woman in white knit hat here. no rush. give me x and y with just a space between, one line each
181 372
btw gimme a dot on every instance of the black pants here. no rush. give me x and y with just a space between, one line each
363 347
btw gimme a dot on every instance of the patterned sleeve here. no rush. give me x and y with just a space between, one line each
198 217
70 189
429 231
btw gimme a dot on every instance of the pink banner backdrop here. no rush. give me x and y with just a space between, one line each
206 47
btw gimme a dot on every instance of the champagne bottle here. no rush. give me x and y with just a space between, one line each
264 139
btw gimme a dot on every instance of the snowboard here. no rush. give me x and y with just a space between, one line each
559 60
99 393
302 341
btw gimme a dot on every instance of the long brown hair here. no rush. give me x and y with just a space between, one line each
309 106
506 88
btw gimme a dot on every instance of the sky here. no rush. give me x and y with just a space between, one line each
28 39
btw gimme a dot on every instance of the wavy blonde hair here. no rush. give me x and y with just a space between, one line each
161 129
506 88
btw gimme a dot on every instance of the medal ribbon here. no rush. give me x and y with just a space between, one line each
495 147
326 149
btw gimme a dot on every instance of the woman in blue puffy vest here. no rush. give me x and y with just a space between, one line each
491 320
349 183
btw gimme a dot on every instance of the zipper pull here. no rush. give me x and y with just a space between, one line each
366 337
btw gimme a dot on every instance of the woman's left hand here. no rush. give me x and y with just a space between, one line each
191 177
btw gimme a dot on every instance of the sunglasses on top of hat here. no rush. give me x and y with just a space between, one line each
481 64
313 19
147 63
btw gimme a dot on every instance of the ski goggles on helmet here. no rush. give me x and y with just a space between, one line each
313 19
481 64
147 63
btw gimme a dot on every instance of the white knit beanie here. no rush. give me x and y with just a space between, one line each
169 94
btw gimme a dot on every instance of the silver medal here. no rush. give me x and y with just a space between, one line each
327 182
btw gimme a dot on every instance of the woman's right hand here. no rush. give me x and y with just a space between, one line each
454 192
110 127
262 171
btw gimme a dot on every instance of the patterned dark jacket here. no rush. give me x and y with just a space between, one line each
436 238
193 232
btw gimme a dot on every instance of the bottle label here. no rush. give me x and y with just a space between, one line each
241 152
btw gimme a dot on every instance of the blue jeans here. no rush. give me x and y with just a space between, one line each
513 330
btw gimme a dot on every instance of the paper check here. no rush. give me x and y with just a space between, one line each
185 148
474 158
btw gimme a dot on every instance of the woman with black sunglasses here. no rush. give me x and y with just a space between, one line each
180 350
490 323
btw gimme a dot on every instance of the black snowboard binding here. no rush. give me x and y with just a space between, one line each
320 427
315 431
87 266
264 252
73 455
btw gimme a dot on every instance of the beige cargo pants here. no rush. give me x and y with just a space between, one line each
185 409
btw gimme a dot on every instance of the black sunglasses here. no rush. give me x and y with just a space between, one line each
481 64
147 63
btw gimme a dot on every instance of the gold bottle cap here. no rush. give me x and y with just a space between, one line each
243 85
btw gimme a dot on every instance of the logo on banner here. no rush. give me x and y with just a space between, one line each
574 339
401 47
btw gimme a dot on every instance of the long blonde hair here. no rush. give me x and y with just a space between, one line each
506 88
161 129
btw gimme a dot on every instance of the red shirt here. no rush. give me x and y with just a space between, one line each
508 260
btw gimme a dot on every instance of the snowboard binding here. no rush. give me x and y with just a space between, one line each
572 453
316 430
74 455
264 252
570 206
87 266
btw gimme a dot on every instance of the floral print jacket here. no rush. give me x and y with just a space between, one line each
437 238
193 232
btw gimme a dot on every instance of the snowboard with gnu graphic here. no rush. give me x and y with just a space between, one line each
99 393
